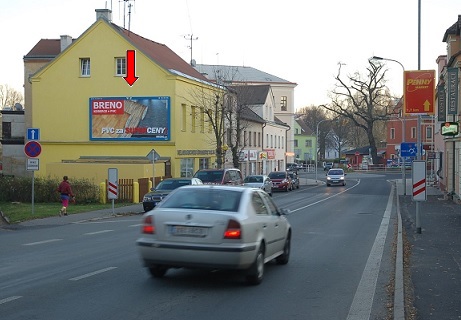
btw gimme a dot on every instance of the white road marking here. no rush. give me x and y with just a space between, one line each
9 299
92 273
363 299
41 242
135 225
325 199
97 232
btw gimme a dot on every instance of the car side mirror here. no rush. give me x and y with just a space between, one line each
284 212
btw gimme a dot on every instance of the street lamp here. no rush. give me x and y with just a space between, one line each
404 181
316 146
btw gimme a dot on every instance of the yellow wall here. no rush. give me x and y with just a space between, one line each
60 100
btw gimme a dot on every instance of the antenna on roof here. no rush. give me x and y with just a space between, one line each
191 38
127 3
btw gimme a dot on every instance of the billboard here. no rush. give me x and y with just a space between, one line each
419 94
130 118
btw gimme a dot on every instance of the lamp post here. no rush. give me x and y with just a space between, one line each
404 181
316 146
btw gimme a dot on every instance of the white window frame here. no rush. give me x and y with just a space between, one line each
120 67
85 67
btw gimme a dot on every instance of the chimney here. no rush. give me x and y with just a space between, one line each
105 14
65 42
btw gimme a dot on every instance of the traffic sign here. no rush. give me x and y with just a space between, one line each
408 149
419 180
419 94
112 183
32 149
33 164
33 134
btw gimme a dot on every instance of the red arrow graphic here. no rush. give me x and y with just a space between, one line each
130 67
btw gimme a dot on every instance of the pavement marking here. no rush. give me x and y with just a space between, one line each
135 225
87 275
9 299
97 232
41 242
363 299
325 199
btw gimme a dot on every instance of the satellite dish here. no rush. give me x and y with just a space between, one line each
18 107
193 62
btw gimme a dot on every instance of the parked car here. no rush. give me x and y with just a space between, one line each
327 166
220 176
336 176
157 194
292 167
280 181
294 180
261 181
215 227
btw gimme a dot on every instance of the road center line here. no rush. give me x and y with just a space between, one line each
325 199
9 299
363 299
97 232
92 274
41 242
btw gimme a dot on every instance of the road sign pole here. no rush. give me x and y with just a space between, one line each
33 192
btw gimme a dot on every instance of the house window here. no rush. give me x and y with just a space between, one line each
6 130
254 139
183 117
244 138
85 67
413 132
284 103
249 138
120 69
193 116
392 133
309 143
296 143
202 119
259 139
428 133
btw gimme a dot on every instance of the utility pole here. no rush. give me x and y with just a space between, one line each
191 38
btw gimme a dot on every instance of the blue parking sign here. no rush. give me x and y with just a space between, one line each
33 134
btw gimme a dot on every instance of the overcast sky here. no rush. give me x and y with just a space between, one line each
301 41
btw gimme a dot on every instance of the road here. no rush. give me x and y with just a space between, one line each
340 266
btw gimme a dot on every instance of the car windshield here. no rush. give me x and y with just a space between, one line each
335 172
214 176
172 184
277 175
204 199
250 179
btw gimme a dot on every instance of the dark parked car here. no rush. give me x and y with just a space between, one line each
294 180
292 167
280 181
151 199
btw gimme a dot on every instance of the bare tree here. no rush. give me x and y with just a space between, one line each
363 100
9 96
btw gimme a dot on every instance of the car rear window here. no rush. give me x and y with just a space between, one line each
172 184
204 199
277 175
212 176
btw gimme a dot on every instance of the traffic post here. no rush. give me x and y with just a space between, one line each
32 149
419 187
112 186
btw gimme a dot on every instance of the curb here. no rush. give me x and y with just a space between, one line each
399 299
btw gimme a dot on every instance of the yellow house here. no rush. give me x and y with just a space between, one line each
93 114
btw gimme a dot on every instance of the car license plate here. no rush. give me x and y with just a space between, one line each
189 231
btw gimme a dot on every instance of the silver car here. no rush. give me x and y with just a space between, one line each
215 227
336 176
260 181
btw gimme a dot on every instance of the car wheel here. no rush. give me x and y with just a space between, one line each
157 271
344 183
256 271
297 187
285 256
328 184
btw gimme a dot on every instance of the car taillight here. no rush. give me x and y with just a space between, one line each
148 227
233 230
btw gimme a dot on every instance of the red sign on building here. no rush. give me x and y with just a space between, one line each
419 94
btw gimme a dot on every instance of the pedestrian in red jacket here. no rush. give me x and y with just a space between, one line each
66 193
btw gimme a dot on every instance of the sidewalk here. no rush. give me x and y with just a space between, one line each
432 258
